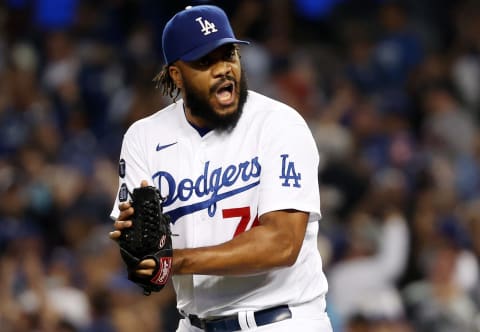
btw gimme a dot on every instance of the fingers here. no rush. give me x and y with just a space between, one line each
114 235
124 206
144 272
145 268
119 225
147 264
123 220
125 214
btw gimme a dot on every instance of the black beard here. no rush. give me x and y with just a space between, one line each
200 106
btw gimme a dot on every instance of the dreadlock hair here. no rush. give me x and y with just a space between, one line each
164 81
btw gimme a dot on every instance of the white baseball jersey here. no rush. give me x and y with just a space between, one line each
217 185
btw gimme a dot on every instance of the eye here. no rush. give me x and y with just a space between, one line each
230 54
204 62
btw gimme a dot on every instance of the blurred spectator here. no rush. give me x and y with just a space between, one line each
399 50
363 281
438 303
39 299
361 68
450 132
465 68
449 128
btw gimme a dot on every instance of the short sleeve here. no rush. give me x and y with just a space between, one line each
132 167
290 161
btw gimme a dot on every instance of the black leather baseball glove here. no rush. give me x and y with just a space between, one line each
148 237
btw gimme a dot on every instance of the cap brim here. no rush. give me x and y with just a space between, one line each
199 52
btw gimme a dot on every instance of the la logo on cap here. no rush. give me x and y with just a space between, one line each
207 27
211 29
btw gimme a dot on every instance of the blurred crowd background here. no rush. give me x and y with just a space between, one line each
390 89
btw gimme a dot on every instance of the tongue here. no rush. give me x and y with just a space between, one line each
224 96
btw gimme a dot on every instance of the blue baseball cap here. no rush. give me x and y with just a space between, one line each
195 32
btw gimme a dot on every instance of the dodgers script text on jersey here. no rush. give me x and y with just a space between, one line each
217 185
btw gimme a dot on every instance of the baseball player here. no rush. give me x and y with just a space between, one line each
239 174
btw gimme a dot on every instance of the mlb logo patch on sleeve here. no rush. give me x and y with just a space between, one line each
123 193
121 168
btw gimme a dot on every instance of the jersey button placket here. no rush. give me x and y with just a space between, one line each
202 153
202 159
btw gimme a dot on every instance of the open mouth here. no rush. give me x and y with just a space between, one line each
225 93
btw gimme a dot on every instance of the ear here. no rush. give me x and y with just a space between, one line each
176 76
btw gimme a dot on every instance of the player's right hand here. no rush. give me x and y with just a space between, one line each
123 220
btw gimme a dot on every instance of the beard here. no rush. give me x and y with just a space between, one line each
200 106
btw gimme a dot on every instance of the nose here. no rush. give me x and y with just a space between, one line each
221 68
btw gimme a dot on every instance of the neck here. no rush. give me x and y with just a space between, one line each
196 121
